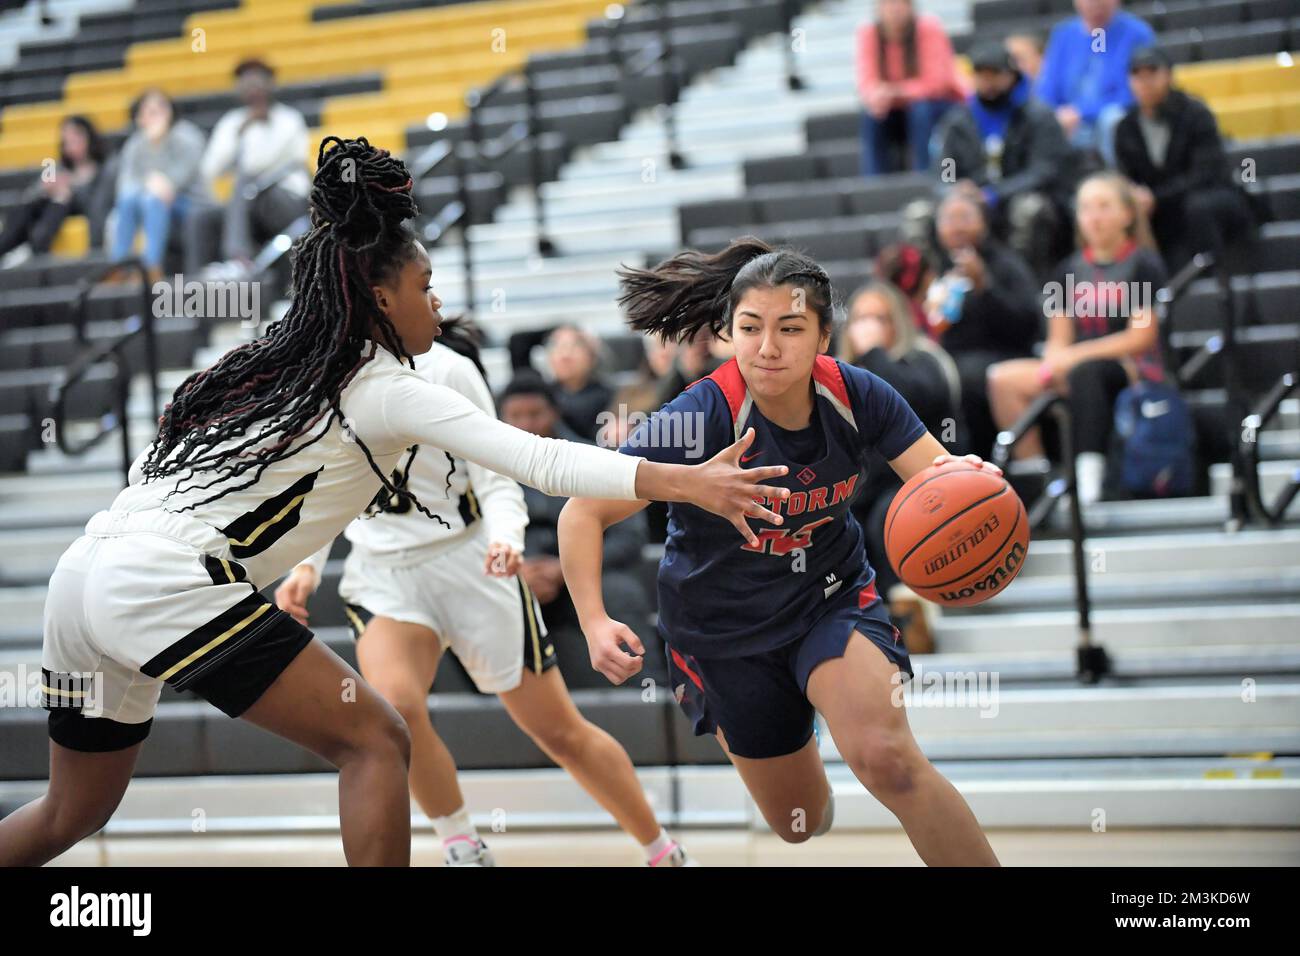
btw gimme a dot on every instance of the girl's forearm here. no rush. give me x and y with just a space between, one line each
656 481
581 539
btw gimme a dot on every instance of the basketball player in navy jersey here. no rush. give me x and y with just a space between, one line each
761 633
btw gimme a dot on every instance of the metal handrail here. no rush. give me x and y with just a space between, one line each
87 284
119 416
1092 661
1248 452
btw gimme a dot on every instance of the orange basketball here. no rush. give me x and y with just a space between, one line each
957 534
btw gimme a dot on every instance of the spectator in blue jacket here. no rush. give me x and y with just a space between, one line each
1085 72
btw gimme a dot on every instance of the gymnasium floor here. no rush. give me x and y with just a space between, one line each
722 848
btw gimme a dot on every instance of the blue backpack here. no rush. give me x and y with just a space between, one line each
1155 427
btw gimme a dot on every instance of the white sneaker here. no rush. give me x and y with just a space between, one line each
675 856
466 852
16 256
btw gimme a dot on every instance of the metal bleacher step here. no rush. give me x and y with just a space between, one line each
1195 627
1111 518
1208 551
1150 588
1273 476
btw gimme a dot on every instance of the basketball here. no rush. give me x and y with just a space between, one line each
956 534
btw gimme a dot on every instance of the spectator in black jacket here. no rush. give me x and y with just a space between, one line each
1169 145
81 183
1010 145
529 403
985 305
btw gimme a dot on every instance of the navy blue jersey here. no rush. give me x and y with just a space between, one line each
722 597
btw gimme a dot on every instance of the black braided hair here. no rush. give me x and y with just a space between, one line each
275 389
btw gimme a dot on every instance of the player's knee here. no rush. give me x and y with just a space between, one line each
563 741
996 377
378 732
407 699
886 764
68 822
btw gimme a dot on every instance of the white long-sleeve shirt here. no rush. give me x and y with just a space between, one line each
279 140
301 502
460 492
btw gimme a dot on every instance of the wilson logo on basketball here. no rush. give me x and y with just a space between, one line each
999 576
940 561
956 534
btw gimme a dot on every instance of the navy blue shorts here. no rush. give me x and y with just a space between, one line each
761 701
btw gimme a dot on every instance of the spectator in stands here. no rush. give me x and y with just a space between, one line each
907 78
984 305
264 144
1026 50
1085 72
640 394
158 180
910 270
1169 145
529 403
1102 332
881 336
80 184
1009 145
572 355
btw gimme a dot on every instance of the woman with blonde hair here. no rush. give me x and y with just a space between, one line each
1102 332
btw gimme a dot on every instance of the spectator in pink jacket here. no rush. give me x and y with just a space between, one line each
907 79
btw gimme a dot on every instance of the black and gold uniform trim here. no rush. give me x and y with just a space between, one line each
259 529
469 507
358 617
539 653
64 690
210 644
224 572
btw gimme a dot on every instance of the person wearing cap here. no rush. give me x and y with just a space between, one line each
1084 75
1169 145
1008 143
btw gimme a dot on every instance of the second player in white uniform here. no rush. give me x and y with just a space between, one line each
413 587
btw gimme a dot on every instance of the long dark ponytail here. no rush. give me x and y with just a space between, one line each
697 290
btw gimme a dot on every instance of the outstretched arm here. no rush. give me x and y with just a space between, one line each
411 411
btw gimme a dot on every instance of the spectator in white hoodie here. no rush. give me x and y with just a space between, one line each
264 144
